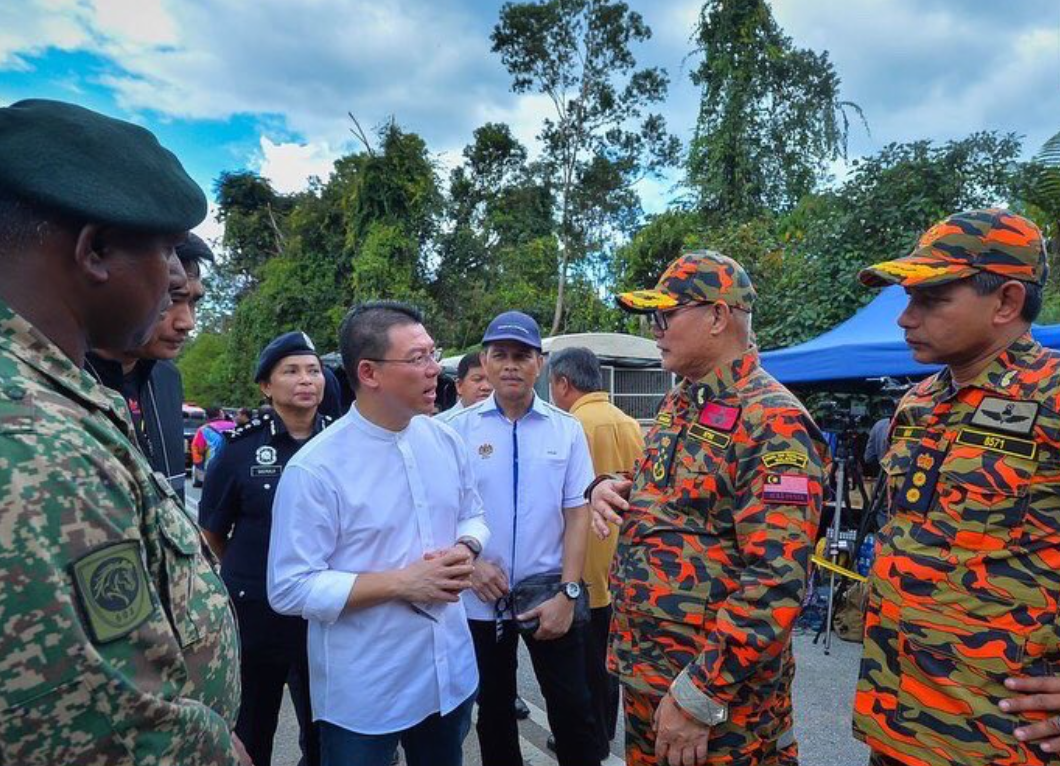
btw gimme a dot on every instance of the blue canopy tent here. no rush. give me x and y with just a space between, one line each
868 345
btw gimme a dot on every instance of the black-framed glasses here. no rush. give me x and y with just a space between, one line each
661 319
420 360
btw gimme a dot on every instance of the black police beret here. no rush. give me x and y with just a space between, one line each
194 249
94 168
289 344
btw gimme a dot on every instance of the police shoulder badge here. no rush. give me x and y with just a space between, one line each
111 587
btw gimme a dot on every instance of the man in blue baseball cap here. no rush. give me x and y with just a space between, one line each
531 462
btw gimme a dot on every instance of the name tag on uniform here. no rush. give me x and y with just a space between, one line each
705 435
918 488
1006 415
1006 445
786 489
265 471
908 433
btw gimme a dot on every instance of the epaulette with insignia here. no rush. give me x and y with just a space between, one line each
256 424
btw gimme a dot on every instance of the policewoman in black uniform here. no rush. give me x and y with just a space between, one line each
236 516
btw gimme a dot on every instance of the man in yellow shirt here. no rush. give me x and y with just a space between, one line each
615 445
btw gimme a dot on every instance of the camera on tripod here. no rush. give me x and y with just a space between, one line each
843 416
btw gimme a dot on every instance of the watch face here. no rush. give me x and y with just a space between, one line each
573 590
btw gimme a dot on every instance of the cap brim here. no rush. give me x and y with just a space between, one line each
512 337
914 271
646 301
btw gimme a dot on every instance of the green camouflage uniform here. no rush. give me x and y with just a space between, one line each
712 558
966 584
118 644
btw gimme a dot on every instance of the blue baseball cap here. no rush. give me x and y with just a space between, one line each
514 325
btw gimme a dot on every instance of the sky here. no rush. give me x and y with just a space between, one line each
267 86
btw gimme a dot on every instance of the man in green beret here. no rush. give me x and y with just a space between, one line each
118 644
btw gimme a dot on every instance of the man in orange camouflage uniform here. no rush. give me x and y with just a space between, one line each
966 582
716 535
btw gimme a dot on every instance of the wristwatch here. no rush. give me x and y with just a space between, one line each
472 544
571 590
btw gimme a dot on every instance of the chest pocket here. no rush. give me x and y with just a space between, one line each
981 499
185 566
699 483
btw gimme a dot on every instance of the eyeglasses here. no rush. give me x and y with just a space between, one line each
661 319
420 360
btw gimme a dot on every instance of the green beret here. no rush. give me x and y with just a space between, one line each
94 168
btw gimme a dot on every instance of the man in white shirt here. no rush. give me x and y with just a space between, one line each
375 527
472 385
532 464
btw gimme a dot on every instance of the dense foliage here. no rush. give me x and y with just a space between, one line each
557 233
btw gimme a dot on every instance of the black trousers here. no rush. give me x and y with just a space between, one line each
560 669
273 655
603 687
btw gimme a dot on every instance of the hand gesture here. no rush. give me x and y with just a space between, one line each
1039 695
680 739
489 581
608 499
554 616
437 577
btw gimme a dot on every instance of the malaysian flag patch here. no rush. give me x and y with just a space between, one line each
787 489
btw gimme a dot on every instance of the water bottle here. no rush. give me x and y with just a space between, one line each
866 552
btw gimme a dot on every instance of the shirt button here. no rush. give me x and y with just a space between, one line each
268 486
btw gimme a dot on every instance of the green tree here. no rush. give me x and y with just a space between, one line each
889 199
600 139
770 116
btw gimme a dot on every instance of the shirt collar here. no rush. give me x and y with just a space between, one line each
23 340
722 378
489 406
1000 374
595 396
371 429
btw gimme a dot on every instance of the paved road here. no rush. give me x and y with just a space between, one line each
824 689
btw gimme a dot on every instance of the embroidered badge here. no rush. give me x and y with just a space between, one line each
705 435
485 450
907 433
719 416
1005 415
111 586
265 455
1006 445
660 467
918 489
786 457
786 488
665 419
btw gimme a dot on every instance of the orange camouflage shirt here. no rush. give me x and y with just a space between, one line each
966 583
712 558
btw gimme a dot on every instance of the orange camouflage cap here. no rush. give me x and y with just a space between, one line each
699 276
964 244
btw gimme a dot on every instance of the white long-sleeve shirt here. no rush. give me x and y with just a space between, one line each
359 498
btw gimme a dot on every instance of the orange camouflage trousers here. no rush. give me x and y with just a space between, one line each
640 739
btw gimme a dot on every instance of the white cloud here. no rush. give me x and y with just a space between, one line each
289 166
25 31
